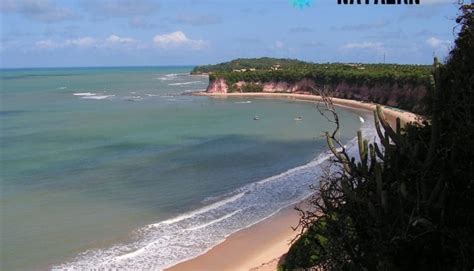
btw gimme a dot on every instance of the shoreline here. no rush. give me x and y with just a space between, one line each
261 246
391 113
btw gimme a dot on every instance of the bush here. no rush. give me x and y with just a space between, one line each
406 203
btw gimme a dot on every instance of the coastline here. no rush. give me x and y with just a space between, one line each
390 113
258 247
261 246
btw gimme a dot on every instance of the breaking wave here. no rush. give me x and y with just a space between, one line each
166 243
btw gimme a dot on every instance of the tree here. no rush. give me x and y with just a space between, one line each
408 202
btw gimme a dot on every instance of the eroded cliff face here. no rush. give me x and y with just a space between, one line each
402 96
218 86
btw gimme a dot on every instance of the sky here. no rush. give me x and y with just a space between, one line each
83 33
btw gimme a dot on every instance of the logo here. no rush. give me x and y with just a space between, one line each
301 3
376 2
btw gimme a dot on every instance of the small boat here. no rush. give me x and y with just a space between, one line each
299 118
256 118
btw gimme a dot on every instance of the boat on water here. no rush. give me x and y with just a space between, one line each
256 118
299 118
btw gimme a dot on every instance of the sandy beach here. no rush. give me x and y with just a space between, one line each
260 246
390 113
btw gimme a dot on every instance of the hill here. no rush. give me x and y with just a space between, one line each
402 86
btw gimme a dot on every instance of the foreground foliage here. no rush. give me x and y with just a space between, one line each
407 202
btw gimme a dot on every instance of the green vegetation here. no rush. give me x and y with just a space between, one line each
263 63
406 203
288 70
386 83
307 250
252 88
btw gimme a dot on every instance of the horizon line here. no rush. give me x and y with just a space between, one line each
193 65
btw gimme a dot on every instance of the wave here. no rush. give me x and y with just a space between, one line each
214 221
133 98
84 94
171 76
97 97
166 243
61 88
188 91
244 102
202 210
184 83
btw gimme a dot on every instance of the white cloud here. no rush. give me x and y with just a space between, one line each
46 44
172 40
177 39
87 42
377 46
120 40
81 42
438 43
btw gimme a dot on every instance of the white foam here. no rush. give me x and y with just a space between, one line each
62 88
84 94
166 243
170 76
214 221
202 210
169 242
244 102
193 90
361 119
184 83
97 97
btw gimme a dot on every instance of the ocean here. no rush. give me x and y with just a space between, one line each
121 168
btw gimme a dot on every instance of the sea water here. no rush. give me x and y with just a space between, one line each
120 167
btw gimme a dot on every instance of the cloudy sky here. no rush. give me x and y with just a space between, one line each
53 33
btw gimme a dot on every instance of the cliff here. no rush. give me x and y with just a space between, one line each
404 96
402 86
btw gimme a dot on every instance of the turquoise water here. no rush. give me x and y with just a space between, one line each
104 167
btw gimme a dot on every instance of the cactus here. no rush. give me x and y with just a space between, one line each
340 157
377 127
381 192
378 151
386 126
403 189
363 150
373 157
